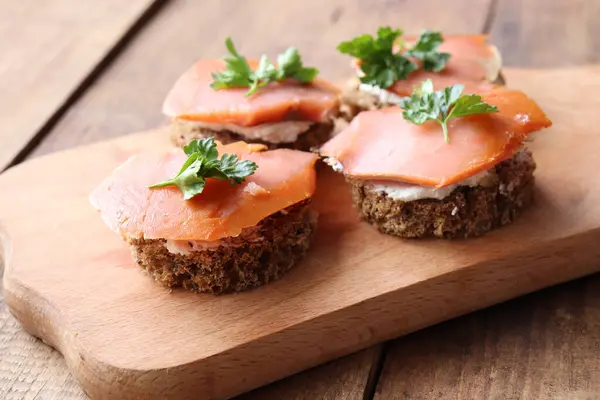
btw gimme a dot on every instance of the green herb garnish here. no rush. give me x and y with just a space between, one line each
426 50
382 67
239 74
203 163
426 104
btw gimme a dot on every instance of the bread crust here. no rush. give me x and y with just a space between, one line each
259 255
466 212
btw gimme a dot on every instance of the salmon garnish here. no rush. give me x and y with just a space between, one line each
192 99
381 144
283 178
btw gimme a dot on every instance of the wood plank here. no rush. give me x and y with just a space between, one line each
355 287
128 96
343 379
547 33
47 51
512 351
543 346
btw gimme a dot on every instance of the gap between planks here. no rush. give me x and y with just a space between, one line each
81 88
375 371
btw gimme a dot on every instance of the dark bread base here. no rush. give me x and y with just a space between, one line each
315 136
466 212
259 255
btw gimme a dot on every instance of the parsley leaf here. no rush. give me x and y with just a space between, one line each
380 65
264 74
203 163
290 66
426 50
234 169
470 104
206 147
239 74
426 104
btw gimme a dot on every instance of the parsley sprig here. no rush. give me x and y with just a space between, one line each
239 74
425 104
202 163
381 66
426 50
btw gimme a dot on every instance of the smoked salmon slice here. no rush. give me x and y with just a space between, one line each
192 99
283 178
473 62
381 144
468 46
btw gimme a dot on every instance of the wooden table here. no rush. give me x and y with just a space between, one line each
75 72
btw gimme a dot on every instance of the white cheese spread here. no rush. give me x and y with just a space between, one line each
384 96
334 163
278 132
185 247
409 192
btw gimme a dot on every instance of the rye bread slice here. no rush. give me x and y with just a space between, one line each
259 255
466 212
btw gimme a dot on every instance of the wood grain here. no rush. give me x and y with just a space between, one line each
344 379
355 288
127 97
31 369
544 33
543 346
47 51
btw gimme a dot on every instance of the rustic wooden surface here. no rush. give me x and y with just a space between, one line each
47 51
126 95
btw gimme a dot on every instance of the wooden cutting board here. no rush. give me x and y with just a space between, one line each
72 282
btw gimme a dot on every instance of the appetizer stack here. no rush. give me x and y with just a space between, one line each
442 164
435 147
254 101
213 224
